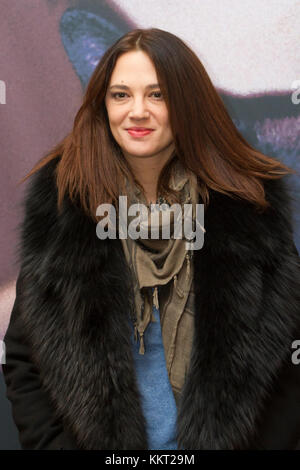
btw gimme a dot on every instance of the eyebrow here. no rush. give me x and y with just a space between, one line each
124 87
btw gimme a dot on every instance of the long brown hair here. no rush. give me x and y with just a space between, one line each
91 164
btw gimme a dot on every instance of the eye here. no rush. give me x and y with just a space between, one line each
114 95
118 93
158 93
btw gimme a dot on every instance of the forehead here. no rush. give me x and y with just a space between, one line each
135 67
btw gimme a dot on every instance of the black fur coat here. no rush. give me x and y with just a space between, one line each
70 373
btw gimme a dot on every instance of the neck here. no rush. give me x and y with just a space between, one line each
147 170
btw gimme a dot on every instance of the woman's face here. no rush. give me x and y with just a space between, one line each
137 105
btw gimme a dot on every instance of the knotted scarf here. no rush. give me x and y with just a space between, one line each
159 262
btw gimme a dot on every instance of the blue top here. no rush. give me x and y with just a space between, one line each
158 400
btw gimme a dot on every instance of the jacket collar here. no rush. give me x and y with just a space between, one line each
77 295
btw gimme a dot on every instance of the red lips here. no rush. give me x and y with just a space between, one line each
139 131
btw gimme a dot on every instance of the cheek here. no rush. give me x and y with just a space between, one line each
164 118
168 130
116 116
167 126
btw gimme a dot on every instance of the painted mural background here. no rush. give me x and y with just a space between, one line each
49 49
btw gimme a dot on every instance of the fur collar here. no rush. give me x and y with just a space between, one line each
78 327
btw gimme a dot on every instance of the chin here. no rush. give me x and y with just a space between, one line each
139 153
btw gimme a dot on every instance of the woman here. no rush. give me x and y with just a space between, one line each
141 343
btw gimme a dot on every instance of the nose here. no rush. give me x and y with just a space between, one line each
139 110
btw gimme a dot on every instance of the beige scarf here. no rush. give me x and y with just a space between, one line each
155 262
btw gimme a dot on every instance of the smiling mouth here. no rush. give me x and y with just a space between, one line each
139 133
